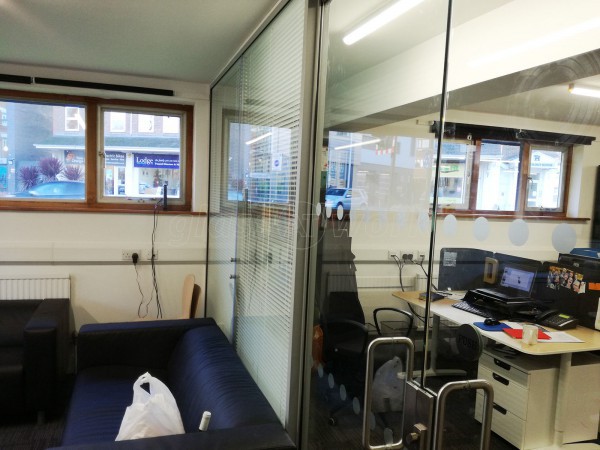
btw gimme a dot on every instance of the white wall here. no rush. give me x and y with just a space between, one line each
88 245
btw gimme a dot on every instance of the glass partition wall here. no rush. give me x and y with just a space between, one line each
528 180
257 128
439 156
449 145
373 222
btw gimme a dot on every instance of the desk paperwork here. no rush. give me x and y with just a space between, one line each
587 339
553 336
517 333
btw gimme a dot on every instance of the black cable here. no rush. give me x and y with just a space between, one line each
142 301
152 262
420 264
400 265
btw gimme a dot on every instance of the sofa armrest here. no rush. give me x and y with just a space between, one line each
265 436
45 350
145 343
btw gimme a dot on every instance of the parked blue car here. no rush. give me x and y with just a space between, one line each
71 190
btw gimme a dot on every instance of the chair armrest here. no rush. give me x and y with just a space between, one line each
351 323
396 310
145 344
45 351
347 325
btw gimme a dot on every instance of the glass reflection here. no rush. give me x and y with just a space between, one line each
517 159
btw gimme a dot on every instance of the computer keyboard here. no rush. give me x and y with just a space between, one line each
478 310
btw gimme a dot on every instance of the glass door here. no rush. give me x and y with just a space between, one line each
373 224
513 70
448 166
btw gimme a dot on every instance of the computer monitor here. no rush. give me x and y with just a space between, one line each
461 269
506 259
519 278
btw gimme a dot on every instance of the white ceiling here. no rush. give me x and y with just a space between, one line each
193 40
182 40
544 97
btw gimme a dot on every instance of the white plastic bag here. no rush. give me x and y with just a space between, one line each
150 414
388 387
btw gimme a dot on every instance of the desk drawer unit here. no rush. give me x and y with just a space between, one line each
524 397
525 393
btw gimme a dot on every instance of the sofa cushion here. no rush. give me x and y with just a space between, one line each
100 396
14 315
206 374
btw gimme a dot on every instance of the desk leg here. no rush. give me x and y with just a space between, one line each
433 353
435 332
561 400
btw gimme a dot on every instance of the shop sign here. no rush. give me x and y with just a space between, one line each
74 157
155 161
114 158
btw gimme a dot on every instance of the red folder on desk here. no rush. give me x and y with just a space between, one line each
517 333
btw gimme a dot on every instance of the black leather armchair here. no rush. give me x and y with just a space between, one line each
34 351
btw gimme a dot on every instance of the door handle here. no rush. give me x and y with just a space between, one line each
410 351
440 410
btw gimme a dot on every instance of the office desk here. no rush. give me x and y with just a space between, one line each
591 342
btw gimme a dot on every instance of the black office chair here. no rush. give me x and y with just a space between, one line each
346 337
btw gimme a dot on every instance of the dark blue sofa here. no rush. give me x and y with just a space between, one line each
195 360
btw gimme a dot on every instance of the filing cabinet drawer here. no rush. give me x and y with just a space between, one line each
520 433
524 397
508 393
504 369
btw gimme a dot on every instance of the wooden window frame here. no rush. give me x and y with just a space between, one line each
521 200
93 137
524 138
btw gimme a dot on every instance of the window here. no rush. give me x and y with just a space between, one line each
136 151
262 170
170 124
503 177
498 179
455 174
74 119
117 122
503 171
141 164
146 123
546 178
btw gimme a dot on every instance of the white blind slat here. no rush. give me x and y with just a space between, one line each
264 90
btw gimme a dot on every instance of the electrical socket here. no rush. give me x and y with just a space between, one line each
409 255
392 254
126 255
148 254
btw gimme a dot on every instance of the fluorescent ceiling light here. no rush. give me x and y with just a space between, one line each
537 43
587 92
381 19
259 138
357 144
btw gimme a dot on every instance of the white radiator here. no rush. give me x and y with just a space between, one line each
35 288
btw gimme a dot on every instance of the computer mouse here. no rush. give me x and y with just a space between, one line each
491 321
